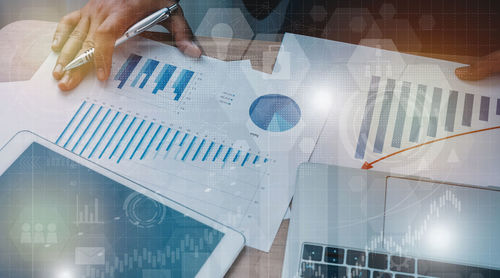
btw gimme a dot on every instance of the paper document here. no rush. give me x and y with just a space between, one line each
220 140
386 102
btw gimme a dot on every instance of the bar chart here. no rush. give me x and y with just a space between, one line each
101 132
151 75
87 216
399 112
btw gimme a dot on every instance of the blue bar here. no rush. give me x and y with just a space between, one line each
255 159
182 82
189 148
198 150
208 151
95 131
162 79
467 115
142 139
70 122
217 152
78 126
148 70
227 154
417 113
498 106
384 116
236 156
434 113
151 142
114 133
127 69
172 141
87 128
123 136
367 118
245 159
130 142
485 109
183 139
163 139
104 134
397 136
449 124
265 160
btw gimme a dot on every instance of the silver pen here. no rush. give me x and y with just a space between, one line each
133 31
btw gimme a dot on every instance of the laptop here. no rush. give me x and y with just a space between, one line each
62 216
364 224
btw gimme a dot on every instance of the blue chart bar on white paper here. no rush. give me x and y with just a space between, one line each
151 68
120 136
427 113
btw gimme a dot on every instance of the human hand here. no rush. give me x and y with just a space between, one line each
481 69
98 25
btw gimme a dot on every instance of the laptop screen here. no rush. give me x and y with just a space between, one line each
454 223
59 219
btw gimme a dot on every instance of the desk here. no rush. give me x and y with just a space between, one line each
25 45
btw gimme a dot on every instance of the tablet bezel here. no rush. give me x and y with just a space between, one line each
220 259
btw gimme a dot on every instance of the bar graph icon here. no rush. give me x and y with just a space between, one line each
432 107
89 214
169 76
100 132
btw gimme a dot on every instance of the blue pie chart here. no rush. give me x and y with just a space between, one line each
275 113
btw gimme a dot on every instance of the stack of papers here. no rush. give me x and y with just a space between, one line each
217 137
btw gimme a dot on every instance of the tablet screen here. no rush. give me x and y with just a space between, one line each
59 219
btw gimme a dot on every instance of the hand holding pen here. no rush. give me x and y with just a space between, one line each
99 25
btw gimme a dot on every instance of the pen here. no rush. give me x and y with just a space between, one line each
133 31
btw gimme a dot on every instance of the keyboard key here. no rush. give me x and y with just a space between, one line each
312 252
334 255
360 273
378 261
316 270
402 264
379 274
403 276
357 258
438 269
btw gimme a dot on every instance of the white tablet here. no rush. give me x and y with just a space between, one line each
62 216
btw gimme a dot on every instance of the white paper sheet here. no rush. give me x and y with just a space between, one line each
396 118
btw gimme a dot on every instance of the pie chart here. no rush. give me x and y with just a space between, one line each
275 113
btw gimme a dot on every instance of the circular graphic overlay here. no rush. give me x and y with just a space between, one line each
275 113
143 211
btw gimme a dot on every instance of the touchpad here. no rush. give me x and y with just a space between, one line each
449 222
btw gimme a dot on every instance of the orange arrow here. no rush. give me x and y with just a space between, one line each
368 165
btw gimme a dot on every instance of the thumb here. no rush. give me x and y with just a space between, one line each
178 26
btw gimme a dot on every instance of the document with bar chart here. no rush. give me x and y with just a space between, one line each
416 120
197 132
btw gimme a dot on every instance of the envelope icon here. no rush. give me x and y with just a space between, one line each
89 255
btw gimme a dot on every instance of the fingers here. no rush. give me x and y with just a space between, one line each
183 35
71 47
104 39
64 29
483 68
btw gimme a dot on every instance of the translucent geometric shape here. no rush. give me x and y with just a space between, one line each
348 24
399 31
387 11
318 13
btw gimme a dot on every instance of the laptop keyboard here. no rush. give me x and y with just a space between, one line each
336 262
